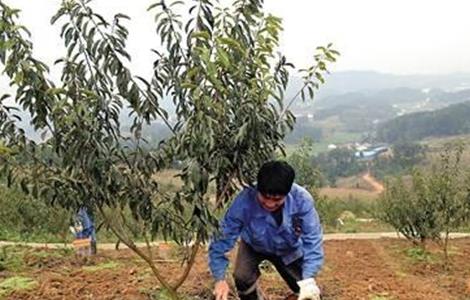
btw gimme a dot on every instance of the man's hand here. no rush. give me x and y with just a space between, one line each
308 289
221 290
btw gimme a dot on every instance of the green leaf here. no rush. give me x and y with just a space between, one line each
152 6
224 58
178 2
231 43
188 85
121 16
201 34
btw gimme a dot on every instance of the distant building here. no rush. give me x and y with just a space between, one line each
370 153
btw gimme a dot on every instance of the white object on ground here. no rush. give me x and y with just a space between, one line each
308 289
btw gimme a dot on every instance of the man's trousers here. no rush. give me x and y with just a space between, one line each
247 271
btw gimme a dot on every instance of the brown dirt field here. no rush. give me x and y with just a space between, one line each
354 269
354 182
348 193
364 187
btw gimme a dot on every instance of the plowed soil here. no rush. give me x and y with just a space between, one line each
354 269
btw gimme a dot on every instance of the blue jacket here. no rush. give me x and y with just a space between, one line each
83 219
299 235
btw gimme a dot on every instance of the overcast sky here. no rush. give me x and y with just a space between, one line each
393 36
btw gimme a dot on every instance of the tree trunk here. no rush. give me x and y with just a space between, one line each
446 251
130 244
190 263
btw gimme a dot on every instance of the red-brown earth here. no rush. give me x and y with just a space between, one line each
354 269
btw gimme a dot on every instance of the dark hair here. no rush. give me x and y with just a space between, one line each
275 178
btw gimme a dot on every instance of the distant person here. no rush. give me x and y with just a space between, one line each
277 222
83 228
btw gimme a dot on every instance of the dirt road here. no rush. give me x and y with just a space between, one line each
378 187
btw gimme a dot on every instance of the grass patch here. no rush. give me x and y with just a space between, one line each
56 253
350 227
330 209
349 193
17 258
13 235
11 258
417 254
16 283
104 266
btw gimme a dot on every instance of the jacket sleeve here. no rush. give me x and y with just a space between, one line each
85 218
230 229
312 237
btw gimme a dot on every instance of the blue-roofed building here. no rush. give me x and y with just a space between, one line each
371 153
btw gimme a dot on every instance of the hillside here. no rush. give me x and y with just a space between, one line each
368 81
451 120
347 107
